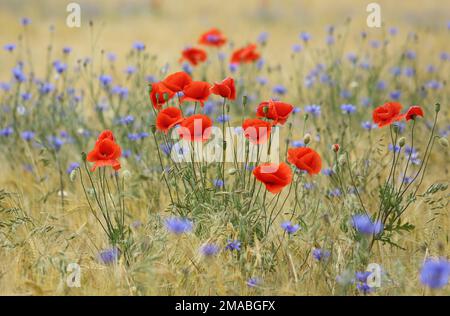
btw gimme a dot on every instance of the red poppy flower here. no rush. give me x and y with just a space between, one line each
177 81
246 54
168 118
196 127
196 91
193 55
413 112
212 38
106 134
387 114
306 159
106 152
160 94
275 110
257 131
225 89
274 177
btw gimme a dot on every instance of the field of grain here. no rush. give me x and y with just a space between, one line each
371 196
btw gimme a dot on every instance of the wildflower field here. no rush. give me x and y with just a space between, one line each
242 148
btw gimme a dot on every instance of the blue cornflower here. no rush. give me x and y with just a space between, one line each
26 96
209 250
253 282
330 40
352 57
46 88
304 36
25 21
297 48
233 245
308 186
410 72
396 71
368 125
223 118
218 183
395 95
444 56
431 69
188 68
297 143
28 135
434 84
105 80
334 193
130 70
178 225
7 131
435 273
348 108
133 137
362 276
59 66
364 225
393 31
381 85
139 46
72 167
126 120
55 142
327 171
166 148
66 50
260 63
313 109
279 89
364 288
320 255
375 44
9 47
18 74
5 86
262 80
109 256
410 54
111 57
397 148
209 107
289 228
262 37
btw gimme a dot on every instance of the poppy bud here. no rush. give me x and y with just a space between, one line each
443 142
342 160
396 128
335 147
153 128
166 96
126 174
265 109
307 138
306 116
150 88
83 156
437 107
401 141
73 175
244 100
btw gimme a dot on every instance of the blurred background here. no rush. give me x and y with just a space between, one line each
166 26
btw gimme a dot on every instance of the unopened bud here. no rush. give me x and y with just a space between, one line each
126 174
443 142
83 156
153 128
437 107
244 100
396 128
166 96
232 171
401 141
335 147
265 109
73 174
307 138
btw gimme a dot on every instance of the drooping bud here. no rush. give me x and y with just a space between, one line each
83 156
307 138
443 142
153 128
401 141
244 101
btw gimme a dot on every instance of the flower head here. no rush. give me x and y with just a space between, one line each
289 227
364 225
178 225
435 273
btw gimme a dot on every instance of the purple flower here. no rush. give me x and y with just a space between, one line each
72 167
28 135
262 37
304 36
297 143
218 183
7 131
279 89
25 21
18 73
364 288
313 109
233 245
9 47
105 80
320 255
435 273
109 256
297 48
348 108
253 282
223 118
364 225
395 95
139 46
59 66
209 250
46 88
178 225
66 50
289 228
368 125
